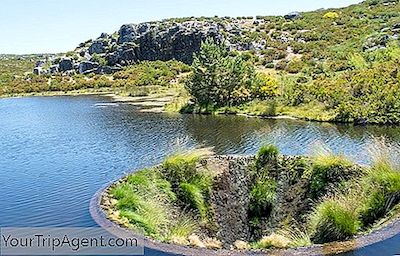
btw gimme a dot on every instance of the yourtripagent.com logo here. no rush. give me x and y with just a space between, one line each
69 241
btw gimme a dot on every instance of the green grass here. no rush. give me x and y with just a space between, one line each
333 220
145 200
266 154
150 199
193 184
308 111
360 203
382 192
262 198
328 169
181 166
172 202
261 108
299 237
193 196
181 230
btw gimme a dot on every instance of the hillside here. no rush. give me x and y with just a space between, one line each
328 64
323 35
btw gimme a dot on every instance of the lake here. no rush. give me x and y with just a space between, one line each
56 152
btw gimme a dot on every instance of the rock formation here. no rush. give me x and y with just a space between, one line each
165 40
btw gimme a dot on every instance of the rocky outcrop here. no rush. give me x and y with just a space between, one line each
165 40
66 64
292 16
86 66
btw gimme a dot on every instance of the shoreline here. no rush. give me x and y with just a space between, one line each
155 103
54 94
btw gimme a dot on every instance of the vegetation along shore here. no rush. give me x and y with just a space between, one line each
186 200
339 65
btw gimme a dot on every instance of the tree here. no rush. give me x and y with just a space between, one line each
219 79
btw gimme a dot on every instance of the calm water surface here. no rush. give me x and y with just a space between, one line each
56 152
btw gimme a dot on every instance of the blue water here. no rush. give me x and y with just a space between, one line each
56 152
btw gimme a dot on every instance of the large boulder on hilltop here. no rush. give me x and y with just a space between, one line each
66 64
40 63
127 33
98 47
38 71
175 42
130 32
292 16
53 69
87 65
376 42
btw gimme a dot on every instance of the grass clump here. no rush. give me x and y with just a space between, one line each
329 169
333 220
192 195
181 230
145 199
297 237
181 167
272 241
191 182
382 192
148 201
267 154
262 197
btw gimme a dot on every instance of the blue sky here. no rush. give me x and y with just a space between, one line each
51 26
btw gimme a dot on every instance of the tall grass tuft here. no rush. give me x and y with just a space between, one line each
298 237
381 185
328 169
145 201
181 166
191 182
333 220
193 196
267 154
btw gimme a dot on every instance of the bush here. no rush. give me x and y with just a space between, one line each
192 195
332 221
331 15
265 87
181 167
262 197
267 154
219 79
143 201
382 193
328 169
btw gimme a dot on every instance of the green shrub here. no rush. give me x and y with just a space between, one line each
192 196
145 200
267 154
262 197
382 193
181 167
219 79
332 220
328 169
182 229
